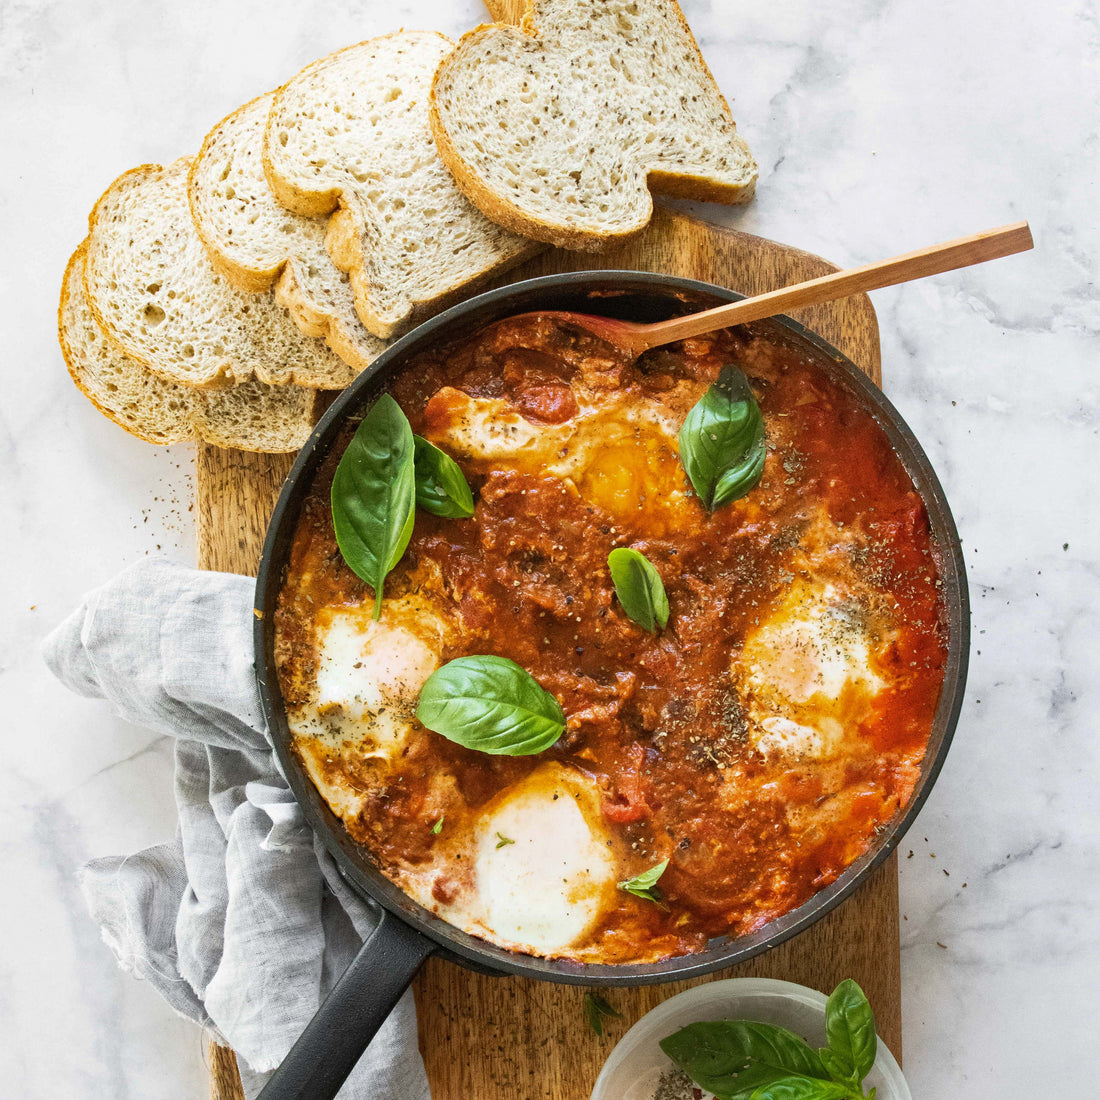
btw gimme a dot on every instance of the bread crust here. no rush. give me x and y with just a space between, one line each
312 321
563 234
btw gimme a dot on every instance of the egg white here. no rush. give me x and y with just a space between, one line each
807 671
544 871
364 693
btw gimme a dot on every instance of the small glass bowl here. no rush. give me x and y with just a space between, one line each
637 1063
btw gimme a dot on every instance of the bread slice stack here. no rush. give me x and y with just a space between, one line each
214 296
200 306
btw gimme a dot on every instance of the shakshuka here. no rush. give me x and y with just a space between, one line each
756 743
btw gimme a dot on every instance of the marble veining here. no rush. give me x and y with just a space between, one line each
879 125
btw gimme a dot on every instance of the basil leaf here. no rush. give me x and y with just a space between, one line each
722 445
797 1087
645 885
742 1084
717 1049
441 486
373 495
492 705
639 588
850 1029
835 1068
595 1009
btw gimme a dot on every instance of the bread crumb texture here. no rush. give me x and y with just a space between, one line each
258 244
250 416
350 135
153 290
559 129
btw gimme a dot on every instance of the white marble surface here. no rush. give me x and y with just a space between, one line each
879 125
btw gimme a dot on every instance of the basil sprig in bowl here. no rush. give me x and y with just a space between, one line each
639 1064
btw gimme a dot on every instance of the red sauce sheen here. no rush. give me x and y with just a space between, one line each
676 732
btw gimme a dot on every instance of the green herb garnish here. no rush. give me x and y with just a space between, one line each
645 885
373 495
437 828
745 1060
502 840
639 588
441 486
596 1009
722 443
492 705
850 1031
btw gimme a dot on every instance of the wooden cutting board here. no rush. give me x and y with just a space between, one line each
527 1040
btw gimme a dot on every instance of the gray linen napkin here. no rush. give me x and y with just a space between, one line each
242 923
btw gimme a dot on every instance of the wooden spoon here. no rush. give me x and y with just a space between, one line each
634 338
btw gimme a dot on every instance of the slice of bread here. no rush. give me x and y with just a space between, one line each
350 133
155 293
255 242
559 129
250 416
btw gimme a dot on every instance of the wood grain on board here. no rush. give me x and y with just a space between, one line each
528 1040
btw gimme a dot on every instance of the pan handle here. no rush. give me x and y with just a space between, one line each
333 1041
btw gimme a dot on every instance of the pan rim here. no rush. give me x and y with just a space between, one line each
720 954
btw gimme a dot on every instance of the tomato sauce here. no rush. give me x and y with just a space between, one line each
663 725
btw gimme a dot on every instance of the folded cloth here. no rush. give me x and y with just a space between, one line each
242 923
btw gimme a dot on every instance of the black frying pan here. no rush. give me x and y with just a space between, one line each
347 1020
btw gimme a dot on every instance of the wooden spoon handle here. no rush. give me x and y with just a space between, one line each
934 260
